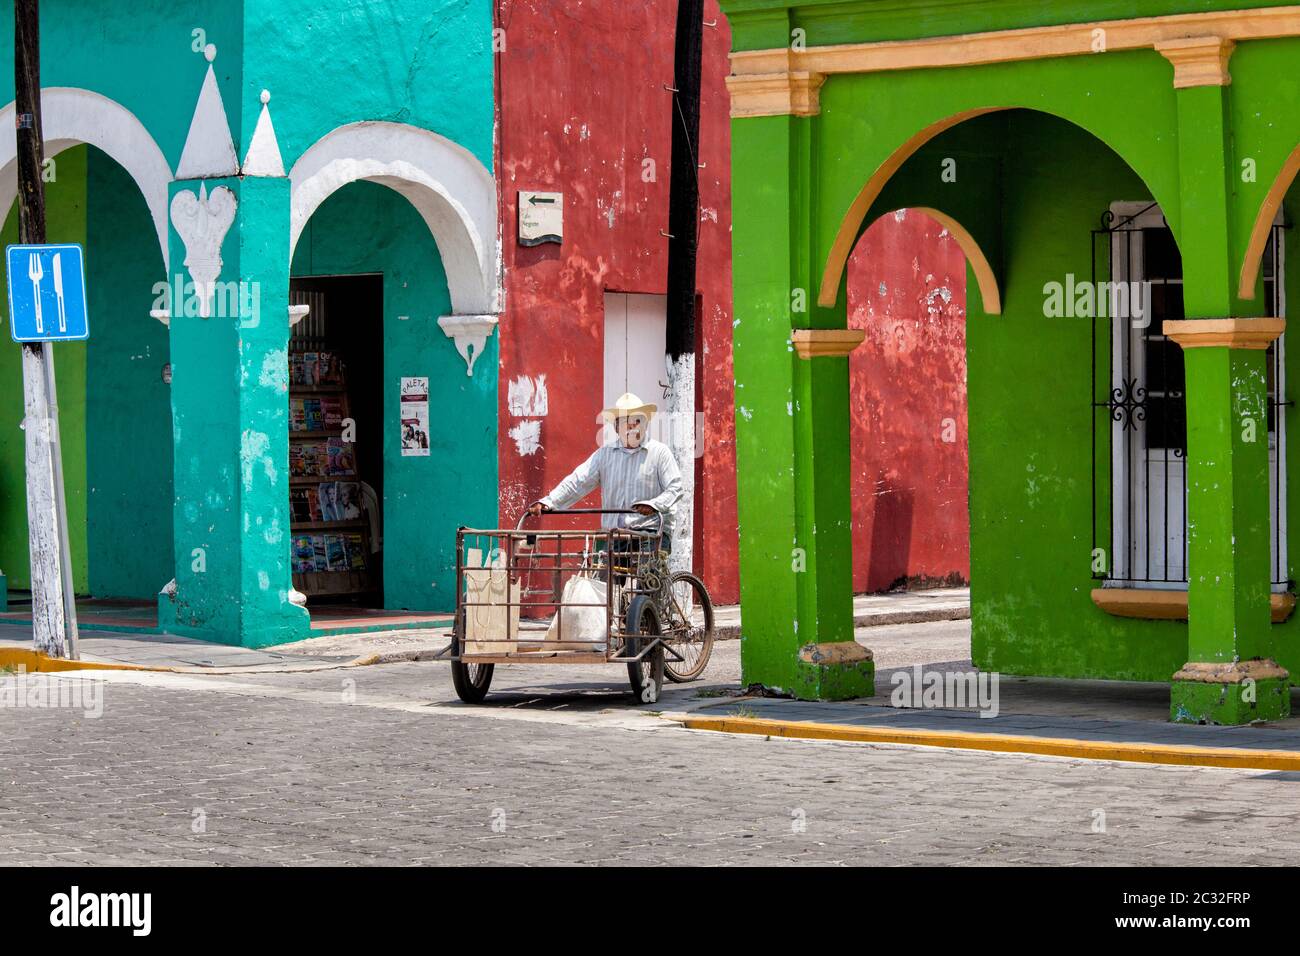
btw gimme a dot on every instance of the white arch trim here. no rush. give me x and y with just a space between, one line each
71 116
451 189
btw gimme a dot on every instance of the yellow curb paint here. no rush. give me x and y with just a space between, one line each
1232 757
34 662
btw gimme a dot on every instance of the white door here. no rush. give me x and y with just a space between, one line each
635 345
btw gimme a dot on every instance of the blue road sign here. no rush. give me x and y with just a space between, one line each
47 293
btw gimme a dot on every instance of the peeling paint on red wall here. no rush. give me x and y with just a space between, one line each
907 288
583 110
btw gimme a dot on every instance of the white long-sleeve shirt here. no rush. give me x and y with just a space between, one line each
626 476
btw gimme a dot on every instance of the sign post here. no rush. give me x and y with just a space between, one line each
48 599
47 303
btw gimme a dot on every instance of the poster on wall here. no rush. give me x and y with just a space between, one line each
415 416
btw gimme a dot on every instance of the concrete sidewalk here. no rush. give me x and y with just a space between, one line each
130 649
168 651
875 610
1109 720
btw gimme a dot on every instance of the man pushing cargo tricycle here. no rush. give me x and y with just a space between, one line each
600 595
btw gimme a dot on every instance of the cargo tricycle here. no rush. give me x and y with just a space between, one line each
587 596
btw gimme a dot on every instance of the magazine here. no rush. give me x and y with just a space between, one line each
328 501
341 460
314 458
304 554
311 411
356 552
331 411
348 500
336 551
329 369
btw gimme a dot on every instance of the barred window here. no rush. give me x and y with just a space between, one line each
1140 404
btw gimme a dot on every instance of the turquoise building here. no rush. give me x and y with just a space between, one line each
259 182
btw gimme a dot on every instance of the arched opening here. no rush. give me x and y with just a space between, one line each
961 129
1051 478
907 290
452 191
392 227
114 396
374 519
1262 231
71 116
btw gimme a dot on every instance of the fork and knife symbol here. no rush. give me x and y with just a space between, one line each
36 272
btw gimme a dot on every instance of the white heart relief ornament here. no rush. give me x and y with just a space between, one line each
202 222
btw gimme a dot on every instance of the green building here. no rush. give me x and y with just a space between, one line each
1120 176
290 225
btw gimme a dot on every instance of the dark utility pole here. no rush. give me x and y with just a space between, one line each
683 230
54 627
27 106
684 191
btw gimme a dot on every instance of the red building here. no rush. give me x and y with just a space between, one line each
584 111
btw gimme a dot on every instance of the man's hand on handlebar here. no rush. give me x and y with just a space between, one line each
537 508
646 510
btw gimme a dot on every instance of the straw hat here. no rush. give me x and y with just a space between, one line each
628 405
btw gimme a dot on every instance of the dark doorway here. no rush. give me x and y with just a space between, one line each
336 455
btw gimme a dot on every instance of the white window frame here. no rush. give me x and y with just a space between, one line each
1129 547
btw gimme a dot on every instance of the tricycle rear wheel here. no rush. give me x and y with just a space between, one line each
472 680
646 675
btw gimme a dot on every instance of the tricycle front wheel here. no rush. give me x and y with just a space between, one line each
646 675
692 641
472 680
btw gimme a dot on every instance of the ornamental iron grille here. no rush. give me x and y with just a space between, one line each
1139 422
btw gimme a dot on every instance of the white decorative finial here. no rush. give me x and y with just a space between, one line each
263 156
209 149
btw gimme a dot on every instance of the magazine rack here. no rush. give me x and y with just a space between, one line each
330 529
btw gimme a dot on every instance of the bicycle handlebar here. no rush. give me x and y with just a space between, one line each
592 511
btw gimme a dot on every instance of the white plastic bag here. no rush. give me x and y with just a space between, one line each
583 623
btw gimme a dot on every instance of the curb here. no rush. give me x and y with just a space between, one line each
923 616
1232 757
731 632
394 657
34 662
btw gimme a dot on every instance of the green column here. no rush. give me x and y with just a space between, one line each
792 429
1230 676
229 415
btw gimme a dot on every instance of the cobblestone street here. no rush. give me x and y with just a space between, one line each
381 765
